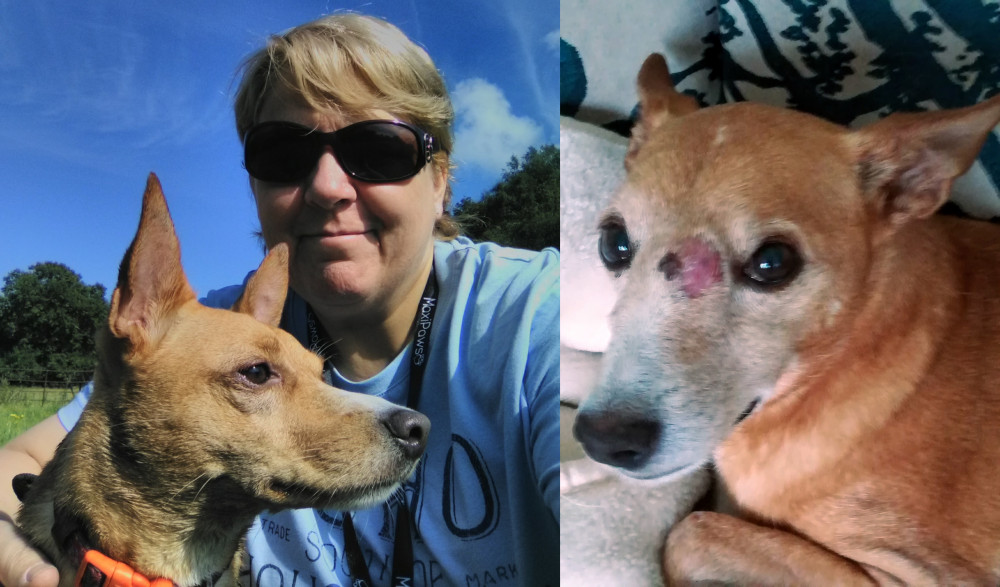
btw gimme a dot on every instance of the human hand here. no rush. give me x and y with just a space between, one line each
20 564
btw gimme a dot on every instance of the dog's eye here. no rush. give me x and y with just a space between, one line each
773 263
256 374
614 247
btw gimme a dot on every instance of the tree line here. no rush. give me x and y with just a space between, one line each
522 210
49 316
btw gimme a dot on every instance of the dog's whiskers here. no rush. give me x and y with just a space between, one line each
324 350
191 483
202 488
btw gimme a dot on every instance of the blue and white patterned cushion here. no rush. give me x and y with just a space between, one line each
850 61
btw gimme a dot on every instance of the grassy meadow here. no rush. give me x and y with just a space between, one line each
21 409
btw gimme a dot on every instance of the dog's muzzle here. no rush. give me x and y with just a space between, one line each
619 439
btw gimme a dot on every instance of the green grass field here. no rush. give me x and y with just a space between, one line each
18 411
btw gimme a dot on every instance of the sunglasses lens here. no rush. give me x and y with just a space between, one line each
374 151
379 151
280 153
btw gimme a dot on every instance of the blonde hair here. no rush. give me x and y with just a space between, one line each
350 63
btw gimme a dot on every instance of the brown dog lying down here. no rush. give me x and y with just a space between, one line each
199 420
789 304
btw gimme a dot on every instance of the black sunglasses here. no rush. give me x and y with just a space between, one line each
376 151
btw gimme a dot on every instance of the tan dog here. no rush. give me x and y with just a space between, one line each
789 306
199 420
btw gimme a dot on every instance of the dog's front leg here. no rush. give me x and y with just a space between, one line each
713 548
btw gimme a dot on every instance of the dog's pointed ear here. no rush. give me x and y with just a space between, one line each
151 282
658 102
907 162
264 295
22 483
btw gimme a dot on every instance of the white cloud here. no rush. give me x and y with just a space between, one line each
487 133
552 40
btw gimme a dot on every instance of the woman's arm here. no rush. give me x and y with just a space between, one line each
542 380
20 565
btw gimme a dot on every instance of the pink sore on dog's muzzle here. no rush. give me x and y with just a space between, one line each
697 263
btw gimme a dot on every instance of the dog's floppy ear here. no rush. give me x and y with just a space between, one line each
151 282
264 295
658 101
907 162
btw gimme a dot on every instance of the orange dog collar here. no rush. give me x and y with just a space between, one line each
115 574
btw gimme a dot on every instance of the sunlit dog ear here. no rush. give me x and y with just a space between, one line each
907 162
151 282
658 102
264 295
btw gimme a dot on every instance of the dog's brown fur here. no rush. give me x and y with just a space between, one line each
872 456
187 436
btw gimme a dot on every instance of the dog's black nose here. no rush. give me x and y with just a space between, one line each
618 439
409 428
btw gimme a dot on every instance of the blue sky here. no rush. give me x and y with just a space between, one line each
95 95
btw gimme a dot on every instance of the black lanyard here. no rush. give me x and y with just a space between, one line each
402 553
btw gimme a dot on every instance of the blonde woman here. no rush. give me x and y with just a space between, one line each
346 126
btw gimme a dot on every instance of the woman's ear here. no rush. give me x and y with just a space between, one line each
441 176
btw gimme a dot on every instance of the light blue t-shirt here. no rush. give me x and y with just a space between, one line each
484 500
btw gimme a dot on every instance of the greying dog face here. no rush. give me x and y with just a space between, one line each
725 268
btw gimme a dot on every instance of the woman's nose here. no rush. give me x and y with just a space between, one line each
330 185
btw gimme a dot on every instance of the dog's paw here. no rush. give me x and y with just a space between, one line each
22 484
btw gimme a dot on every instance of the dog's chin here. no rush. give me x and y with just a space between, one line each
660 473
282 495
